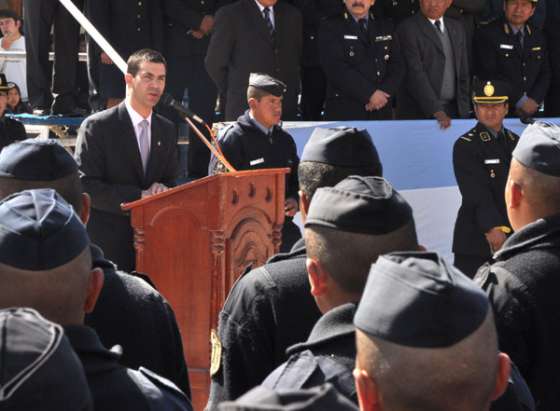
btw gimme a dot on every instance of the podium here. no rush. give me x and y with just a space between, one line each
195 240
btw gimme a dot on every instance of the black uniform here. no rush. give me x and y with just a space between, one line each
481 164
268 310
498 55
247 147
114 387
130 313
397 10
357 62
10 130
522 286
328 355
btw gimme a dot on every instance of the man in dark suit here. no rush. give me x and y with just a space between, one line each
261 36
126 153
437 80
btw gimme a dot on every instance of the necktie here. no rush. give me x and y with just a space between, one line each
363 25
144 143
437 23
268 21
519 38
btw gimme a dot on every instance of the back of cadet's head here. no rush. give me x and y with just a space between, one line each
332 154
351 224
426 337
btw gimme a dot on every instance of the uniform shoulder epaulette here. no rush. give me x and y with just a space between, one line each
468 136
160 381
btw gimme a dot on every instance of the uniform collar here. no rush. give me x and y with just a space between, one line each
93 355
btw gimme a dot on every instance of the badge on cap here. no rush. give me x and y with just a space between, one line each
216 356
489 89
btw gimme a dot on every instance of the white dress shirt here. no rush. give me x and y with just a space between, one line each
442 24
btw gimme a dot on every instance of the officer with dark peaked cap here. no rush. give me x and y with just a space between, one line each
256 140
129 312
419 316
513 50
39 232
361 57
378 216
481 159
39 369
10 130
271 307
322 398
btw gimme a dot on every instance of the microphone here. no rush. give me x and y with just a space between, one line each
171 102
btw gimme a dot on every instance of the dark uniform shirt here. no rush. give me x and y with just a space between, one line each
114 387
358 62
10 130
328 355
268 310
132 314
523 287
499 55
481 164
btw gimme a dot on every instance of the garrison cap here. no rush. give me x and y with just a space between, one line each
490 92
39 231
36 160
4 85
416 299
342 147
39 369
539 148
267 83
321 398
367 205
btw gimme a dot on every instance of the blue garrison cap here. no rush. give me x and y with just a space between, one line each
38 368
36 160
417 300
39 231
368 205
267 83
342 147
539 148
321 398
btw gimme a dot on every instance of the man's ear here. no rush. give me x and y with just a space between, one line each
502 377
96 280
128 78
86 208
252 102
368 397
318 278
515 193
303 205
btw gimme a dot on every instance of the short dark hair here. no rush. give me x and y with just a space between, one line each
313 175
9 14
141 56
256 93
69 187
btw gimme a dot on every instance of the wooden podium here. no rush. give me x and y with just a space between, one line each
195 240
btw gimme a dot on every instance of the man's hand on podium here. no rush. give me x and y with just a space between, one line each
291 207
155 188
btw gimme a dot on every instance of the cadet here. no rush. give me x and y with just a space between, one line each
512 50
10 130
256 140
481 159
357 220
426 338
271 308
39 369
46 264
361 58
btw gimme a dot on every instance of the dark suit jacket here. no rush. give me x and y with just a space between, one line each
241 44
111 172
423 53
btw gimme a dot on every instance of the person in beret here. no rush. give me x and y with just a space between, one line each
513 50
426 338
129 312
257 140
10 130
357 220
322 398
271 308
46 264
522 283
39 370
481 159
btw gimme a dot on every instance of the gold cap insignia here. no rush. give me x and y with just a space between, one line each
216 356
489 89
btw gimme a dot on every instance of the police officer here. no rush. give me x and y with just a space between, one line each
256 140
10 130
361 58
513 50
357 220
397 10
481 159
